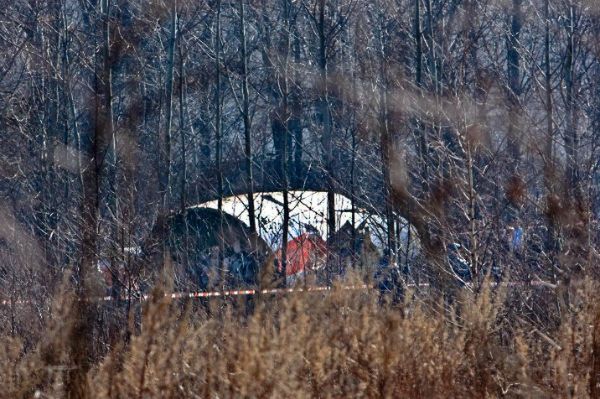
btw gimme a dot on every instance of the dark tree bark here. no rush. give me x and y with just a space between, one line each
246 117
295 124
219 136
386 148
549 166
325 114
84 311
182 131
165 170
513 58
571 135
420 131
284 119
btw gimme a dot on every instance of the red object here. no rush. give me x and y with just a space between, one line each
307 251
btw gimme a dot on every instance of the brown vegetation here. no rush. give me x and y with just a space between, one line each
470 128
340 344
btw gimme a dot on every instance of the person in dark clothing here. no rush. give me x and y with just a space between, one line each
388 281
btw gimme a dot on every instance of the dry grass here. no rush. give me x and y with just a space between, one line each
339 344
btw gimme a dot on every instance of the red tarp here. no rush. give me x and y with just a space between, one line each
307 251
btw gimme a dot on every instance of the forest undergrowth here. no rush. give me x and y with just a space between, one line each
338 344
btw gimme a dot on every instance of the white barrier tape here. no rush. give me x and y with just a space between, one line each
212 294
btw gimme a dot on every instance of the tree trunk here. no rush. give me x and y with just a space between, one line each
386 148
218 138
182 127
84 312
420 132
247 123
571 136
514 84
296 116
285 120
165 179
325 114
549 168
